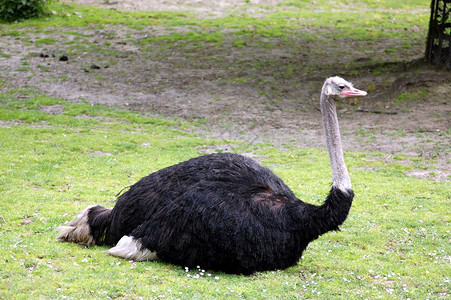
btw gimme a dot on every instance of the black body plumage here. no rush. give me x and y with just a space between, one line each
219 211
222 211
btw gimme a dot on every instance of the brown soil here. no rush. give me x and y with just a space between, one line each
231 98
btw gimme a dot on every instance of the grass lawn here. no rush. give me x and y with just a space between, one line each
395 243
58 157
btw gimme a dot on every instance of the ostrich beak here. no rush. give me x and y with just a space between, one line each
352 92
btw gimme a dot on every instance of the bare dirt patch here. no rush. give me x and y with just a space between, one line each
217 8
245 93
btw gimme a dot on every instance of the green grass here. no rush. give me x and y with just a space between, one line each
366 20
321 32
395 243
45 41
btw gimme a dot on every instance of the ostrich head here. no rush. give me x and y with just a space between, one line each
338 88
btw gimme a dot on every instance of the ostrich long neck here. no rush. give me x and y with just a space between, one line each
334 211
340 175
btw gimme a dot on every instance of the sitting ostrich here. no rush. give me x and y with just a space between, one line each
221 211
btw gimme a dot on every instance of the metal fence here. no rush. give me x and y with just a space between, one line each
438 45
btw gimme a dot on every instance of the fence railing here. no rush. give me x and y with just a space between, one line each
438 44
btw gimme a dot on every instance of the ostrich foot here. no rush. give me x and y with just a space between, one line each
129 248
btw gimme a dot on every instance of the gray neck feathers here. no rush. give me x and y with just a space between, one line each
340 175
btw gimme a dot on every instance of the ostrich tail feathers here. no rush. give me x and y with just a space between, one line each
88 227
77 231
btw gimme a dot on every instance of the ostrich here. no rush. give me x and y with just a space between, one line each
221 211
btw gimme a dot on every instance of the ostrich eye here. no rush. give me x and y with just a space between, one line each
341 86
